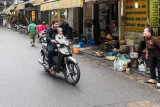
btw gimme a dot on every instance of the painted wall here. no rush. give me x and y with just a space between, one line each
70 17
75 20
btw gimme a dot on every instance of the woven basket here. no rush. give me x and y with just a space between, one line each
99 54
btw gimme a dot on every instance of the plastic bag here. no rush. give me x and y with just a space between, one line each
123 55
120 64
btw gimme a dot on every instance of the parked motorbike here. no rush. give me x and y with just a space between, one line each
63 61
23 29
15 27
42 36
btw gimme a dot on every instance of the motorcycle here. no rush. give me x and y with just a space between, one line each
23 29
15 27
42 36
63 61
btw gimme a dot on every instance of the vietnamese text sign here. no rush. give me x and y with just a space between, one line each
154 13
135 18
33 15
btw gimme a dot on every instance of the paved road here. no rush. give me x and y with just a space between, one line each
24 83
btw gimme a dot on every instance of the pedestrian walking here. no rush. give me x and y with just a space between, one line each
32 32
153 48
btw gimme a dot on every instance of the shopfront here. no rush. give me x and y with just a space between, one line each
102 19
37 3
65 11
52 10
139 14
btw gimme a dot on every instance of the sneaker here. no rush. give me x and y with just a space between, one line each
52 71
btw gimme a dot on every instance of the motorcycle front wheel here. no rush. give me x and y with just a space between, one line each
72 76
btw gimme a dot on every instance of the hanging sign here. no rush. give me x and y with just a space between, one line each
135 18
33 15
154 13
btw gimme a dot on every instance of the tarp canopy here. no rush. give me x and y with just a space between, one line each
7 11
89 0
101 1
62 4
12 7
37 2
20 7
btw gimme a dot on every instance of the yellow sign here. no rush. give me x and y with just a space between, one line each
154 13
33 15
135 18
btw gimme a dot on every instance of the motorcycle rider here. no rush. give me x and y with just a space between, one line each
51 45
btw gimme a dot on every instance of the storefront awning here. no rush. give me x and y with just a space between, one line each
89 0
101 1
12 7
71 3
20 7
37 2
7 11
47 6
62 4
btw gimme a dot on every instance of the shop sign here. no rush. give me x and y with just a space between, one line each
154 13
135 18
33 15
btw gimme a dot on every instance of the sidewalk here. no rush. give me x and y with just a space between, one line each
90 51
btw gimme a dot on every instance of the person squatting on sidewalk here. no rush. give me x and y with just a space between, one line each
32 32
153 48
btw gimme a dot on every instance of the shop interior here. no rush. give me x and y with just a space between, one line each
106 22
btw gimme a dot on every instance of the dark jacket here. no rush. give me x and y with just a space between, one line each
153 46
50 35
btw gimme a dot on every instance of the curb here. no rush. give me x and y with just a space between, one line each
93 56
110 62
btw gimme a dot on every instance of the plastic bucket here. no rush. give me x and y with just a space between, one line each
76 49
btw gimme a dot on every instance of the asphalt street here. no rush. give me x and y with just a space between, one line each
24 83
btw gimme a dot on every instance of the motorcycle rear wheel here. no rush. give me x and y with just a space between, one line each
73 71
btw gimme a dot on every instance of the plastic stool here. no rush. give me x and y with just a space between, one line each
81 44
112 47
111 53
83 39
92 43
88 42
